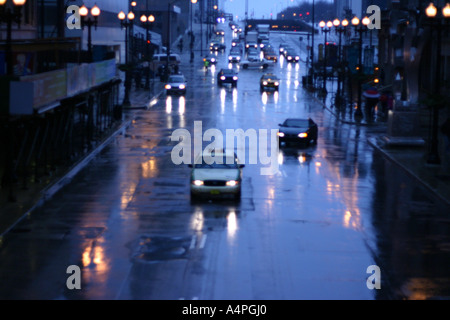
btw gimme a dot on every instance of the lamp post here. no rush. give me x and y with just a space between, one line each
126 21
340 28
360 28
328 25
436 22
9 16
89 22
147 22
169 6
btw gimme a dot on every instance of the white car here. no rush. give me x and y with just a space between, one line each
176 84
216 174
255 62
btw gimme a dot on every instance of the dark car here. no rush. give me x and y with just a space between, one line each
227 76
217 46
297 131
291 55
269 81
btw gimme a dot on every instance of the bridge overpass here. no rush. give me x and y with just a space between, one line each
282 25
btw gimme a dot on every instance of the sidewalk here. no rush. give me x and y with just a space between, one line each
27 199
412 159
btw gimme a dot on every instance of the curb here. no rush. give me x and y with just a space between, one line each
372 142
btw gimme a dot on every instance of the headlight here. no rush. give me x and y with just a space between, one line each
247 45
213 60
182 86
230 57
222 78
303 135
296 58
197 182
277 83
280 134
168 86
261 45
235 78
264 83
289 58
239 58
232 183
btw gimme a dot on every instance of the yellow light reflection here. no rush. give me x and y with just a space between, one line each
169 104
280 158
149 169
232 225
197 220
94 256
127 196
352 221
213 70
264 98
181 105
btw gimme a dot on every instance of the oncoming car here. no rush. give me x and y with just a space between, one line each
227 76
176 84
216 174
296 131
269 80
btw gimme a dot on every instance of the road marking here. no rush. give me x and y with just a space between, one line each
193 242
202 241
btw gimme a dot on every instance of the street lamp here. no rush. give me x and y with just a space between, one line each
126 21
340 28
148 23
360 28
436 22
89 22
9 16
328 25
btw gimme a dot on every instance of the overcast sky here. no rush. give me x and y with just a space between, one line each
258 7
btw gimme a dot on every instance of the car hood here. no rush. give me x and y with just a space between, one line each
176 84
215 174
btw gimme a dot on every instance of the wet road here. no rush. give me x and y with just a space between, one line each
310 231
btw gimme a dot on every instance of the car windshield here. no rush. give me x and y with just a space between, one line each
296 123
225 162
270 76
228 72
176 79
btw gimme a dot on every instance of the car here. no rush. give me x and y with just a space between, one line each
292 56
234 56
176 83
251 44
220 32
227 76
286 49
217 46
270 54
269 80
255 61
212 59
264 43
282 47
297 131
216 173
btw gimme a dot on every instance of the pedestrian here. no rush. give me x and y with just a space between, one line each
445 129
384 103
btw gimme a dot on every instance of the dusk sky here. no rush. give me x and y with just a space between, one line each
258 7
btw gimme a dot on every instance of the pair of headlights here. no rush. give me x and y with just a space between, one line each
230 183
223 78
265 83
181 86
300 135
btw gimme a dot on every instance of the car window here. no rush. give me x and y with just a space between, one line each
176 79
227 162
297 123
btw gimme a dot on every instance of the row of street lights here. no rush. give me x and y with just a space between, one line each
340 27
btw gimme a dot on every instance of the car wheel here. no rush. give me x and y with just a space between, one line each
265 66
245 66
194 198
237 196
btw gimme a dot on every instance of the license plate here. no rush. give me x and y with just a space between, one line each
214 192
